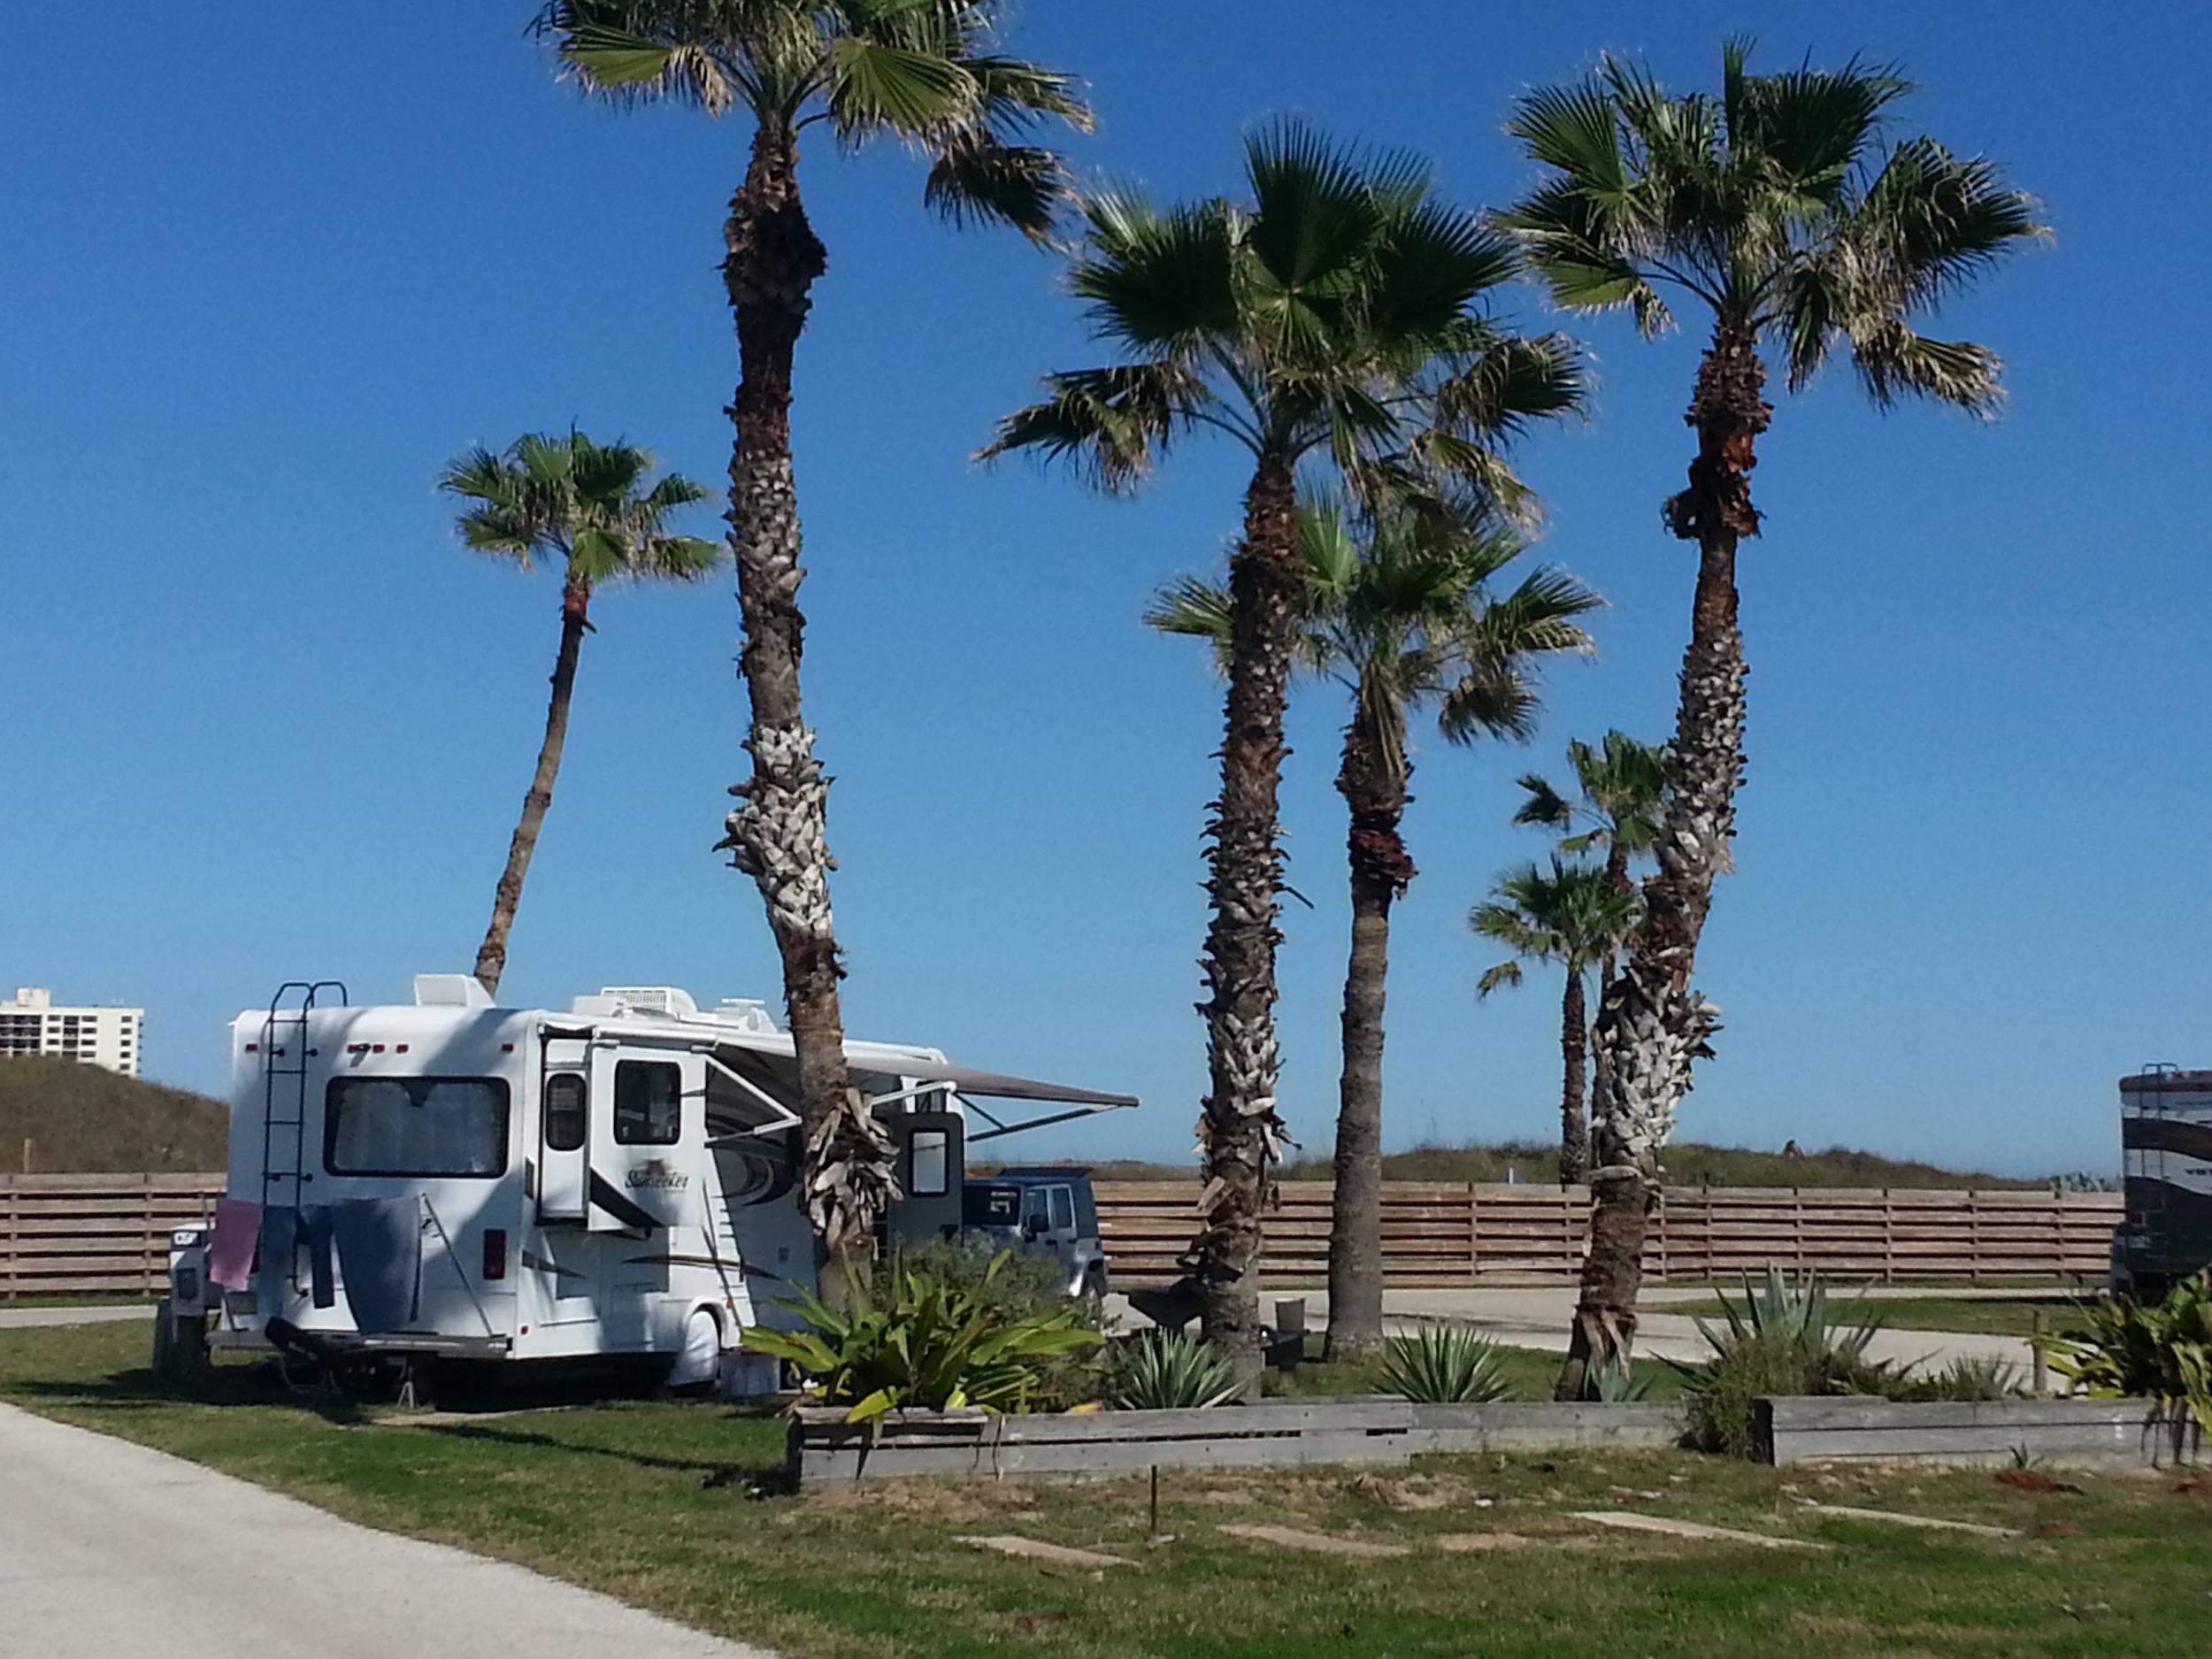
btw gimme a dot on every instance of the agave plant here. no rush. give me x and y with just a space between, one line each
933 1346
1616 1382
1791 1311
2160 1351
1443 1365
1967 1377
1168 1371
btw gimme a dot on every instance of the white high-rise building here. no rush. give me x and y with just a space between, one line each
109 1037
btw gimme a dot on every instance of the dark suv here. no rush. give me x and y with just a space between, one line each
1042 1210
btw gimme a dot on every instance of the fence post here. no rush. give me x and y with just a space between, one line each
1973 1240
1474 1236
15 1237
1889 1238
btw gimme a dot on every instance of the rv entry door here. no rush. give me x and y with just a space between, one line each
563 1130
648 1122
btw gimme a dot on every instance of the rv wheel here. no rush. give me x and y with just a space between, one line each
701 1349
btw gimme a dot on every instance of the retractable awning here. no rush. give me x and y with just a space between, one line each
970 1084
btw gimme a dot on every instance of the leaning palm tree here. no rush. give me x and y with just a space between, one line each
563 498
925 72
1333 317
1781 207
1575 918
1398 612
1621 787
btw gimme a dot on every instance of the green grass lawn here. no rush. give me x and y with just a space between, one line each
662 1504
2006 1317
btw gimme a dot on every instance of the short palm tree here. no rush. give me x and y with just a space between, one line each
562 498
1782 209
1334 317
1575 918
926 74
1620 788
1398 612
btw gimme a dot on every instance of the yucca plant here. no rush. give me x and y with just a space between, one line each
1443 1365
933 1346
1168 1371
2160 1351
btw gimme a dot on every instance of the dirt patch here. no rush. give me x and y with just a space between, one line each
1482 1543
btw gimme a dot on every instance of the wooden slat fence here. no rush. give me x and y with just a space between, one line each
109 1234
94 1236
1442 1236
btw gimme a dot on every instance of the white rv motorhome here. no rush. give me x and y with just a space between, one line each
449 1179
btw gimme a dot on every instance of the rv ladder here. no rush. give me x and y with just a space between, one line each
284 1057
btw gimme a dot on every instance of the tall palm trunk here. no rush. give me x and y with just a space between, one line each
1601 1059
1653 1025
1574 1038
1238 1133
491 955
1382 870
778 833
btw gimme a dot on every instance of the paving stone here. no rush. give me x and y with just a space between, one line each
1479 1543
1629 1520
1319 1543
1037 1549
1933 1522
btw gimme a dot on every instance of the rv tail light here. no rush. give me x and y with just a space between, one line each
494 1253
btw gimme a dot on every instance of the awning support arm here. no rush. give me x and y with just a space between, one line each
786 1117
1039 1122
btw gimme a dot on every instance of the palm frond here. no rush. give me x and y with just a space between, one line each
976 181
1110 425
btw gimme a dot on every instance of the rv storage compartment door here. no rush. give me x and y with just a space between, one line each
648 1126
564 1110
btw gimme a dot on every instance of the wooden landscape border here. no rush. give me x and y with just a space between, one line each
2023 1433
1114 1444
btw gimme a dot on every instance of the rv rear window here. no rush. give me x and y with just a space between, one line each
648 1102
415 1125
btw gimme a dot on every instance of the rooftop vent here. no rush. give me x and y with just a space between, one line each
653 998
450 990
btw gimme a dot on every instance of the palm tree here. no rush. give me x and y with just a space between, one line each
1782 209
1333 317
1574 917
1621 788
1398 612
924 73
588 507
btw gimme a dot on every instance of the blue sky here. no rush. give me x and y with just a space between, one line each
265 720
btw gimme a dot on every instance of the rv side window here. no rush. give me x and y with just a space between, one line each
1063 1210
564 1111
927 1151
648 1102
415 1125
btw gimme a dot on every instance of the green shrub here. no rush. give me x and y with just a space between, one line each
1167 1371
922 1343
1443 1365
1781 1342
1018 1287
1968 1377
2160 1351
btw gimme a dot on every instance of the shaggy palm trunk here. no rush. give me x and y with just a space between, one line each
1653 1025
1574 1038
1381 872
491 955
778 832
1239 1135
1600 1059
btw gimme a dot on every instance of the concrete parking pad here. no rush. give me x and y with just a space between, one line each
1317 1543
109 1548
1037 1549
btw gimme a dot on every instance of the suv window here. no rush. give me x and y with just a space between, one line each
1063 1209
